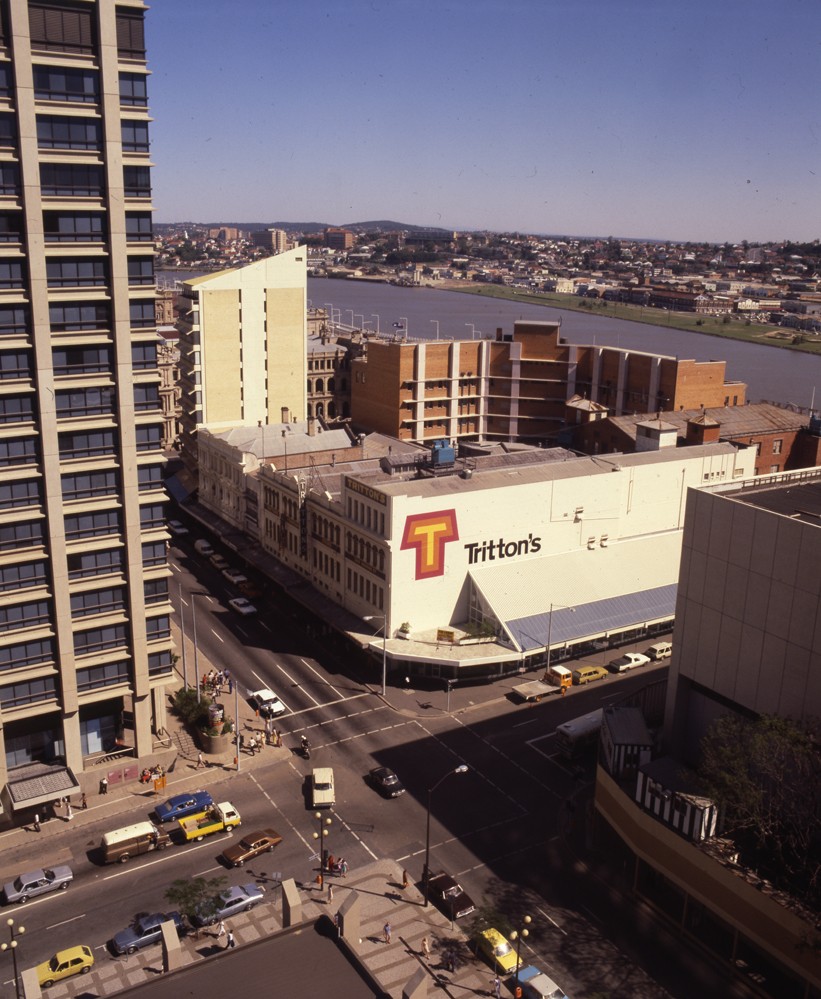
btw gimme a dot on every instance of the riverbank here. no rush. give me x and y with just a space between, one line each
770 336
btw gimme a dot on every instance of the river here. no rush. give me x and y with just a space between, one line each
777 375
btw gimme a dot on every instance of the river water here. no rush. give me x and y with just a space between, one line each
777 375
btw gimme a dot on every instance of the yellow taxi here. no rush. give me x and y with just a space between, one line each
498 950
65 963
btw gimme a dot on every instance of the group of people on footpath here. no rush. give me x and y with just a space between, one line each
63 805
213 682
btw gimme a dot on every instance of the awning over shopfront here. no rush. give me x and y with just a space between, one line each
37 783
180 485
593 593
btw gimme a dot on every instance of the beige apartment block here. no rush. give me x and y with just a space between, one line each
85 642
243 342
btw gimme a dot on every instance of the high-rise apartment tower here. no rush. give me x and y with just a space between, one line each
85 647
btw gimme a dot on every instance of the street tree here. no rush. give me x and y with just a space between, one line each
197 896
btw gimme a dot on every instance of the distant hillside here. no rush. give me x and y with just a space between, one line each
383 225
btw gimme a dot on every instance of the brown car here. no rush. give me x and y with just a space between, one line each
251 845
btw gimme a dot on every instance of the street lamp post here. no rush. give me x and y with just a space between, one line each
472 330
405 318
384 630
14 931
436 321
517 936
376 317
360 316
352 318
182 639
196 649
461 769
321 838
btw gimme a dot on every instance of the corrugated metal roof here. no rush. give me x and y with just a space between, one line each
627 726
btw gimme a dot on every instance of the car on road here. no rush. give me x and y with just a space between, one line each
65 963
386 782
251 845
183 804
242 606
450 896
240 898
219 561
536 984
145 930
234 576
266 702
250 589
26 886
322 787
498 950
177 527
628 661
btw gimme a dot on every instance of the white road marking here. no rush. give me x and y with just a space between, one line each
214 633
323 679
552 920
65 922
296 683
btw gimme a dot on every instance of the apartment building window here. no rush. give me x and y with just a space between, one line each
61 83
26 654
130 33
115 636
133 90
146 398
149 438
92 525
134 136
154 553
136 181
29 692
12 274
85 485
11 227
82 316
15 495
74 227
77 403
109 675
72 180
141 271
97 602
62 28
9 179
143 356
96 444
21 616
81 360
777 445
157 628
6 79
142 315
8 131
56 132
90 272
18 451
160 662
86 565
24 576
152 516
138 227
155 591
149 477
14 320
14 365
16 409
20 536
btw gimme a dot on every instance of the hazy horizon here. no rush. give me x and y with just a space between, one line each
693 121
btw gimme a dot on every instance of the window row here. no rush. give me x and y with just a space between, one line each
76 180
29 692
28 615
20 536
57 27
17 495
97 602
108 675
26 654
115 636
82 86
18 451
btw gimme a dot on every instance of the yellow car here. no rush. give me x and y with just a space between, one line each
65 963
498 950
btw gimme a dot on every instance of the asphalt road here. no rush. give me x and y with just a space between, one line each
496 826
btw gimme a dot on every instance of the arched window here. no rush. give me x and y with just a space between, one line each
320 385
331 409
331 385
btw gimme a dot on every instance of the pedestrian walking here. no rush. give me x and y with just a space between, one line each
426 948
83 801
230 685
252 745
497 987
405 879
200 761
330 893
69 813
386 929
104 785
37 823
221 929
343 867
230 942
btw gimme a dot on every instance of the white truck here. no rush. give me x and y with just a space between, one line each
218 818
553 681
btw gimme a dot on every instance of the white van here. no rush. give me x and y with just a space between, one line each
661 650
203 547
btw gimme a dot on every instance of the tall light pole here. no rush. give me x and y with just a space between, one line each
360 316
384 630
14 931
461 769
437 327
517 936
375 316
182 633
352 317
329 312
236 721
321 838
472 330
406 325
196 649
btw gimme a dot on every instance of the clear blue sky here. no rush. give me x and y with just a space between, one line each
674 119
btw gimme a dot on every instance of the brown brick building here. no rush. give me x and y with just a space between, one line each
516 387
